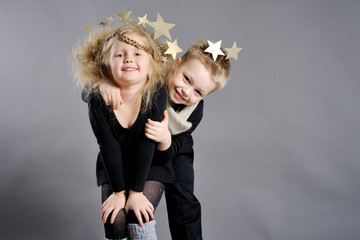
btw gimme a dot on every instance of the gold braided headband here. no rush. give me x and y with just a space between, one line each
130 41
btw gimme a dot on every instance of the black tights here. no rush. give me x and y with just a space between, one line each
153 191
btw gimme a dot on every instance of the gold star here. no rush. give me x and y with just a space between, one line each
233 51
103 24
110 19
201 42
173 49
161 27
164 59
88 28
124 15
143 20
214 49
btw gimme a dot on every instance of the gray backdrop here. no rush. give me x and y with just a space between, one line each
278 150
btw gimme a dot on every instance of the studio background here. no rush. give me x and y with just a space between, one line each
277 153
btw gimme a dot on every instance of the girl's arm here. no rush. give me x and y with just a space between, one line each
110 150
110 153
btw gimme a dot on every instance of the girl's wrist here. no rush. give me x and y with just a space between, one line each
120 194
134 193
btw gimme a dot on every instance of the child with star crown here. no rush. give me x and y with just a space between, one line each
131 185
189 79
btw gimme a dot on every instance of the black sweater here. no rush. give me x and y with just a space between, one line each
126 154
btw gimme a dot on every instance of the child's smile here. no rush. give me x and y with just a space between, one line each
190 83
129 65
128 69
178 95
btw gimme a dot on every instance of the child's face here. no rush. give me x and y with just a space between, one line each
129 65
190 83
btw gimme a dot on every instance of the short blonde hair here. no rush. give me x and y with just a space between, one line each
219 69
92 58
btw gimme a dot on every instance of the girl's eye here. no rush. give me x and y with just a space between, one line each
198 93
120 55
186 79
137 54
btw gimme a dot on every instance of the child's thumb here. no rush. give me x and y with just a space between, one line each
165 116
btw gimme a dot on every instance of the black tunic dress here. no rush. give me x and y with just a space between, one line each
125 157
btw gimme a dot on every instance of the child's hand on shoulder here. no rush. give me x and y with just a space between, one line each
159 132
111 94
115 202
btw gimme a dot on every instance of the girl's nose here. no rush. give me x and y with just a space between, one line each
128 60
186 93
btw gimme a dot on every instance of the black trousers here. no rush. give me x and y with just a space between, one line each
184 209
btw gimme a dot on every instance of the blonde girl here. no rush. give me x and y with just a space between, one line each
131 186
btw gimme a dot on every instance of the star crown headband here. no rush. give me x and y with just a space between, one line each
163 28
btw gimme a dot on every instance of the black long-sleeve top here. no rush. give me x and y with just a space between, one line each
126 154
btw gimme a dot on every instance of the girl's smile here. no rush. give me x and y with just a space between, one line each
178 95
129 65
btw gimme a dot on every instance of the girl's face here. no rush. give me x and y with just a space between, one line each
190 83
129 65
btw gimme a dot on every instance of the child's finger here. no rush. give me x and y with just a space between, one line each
149 136
154 123
106 215
151 122
151 212
109 99
115 99
152 207
151 132
152 127
103 209
165 119
146 215
118 102
113 102
138 216
104 206
149 128
114 214
105 100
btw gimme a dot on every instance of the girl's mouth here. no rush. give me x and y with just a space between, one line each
179 96
129 69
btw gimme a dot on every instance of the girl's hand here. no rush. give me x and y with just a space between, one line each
111 94
159 132
140 205
115 202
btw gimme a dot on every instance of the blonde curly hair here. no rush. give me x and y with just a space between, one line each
92 58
